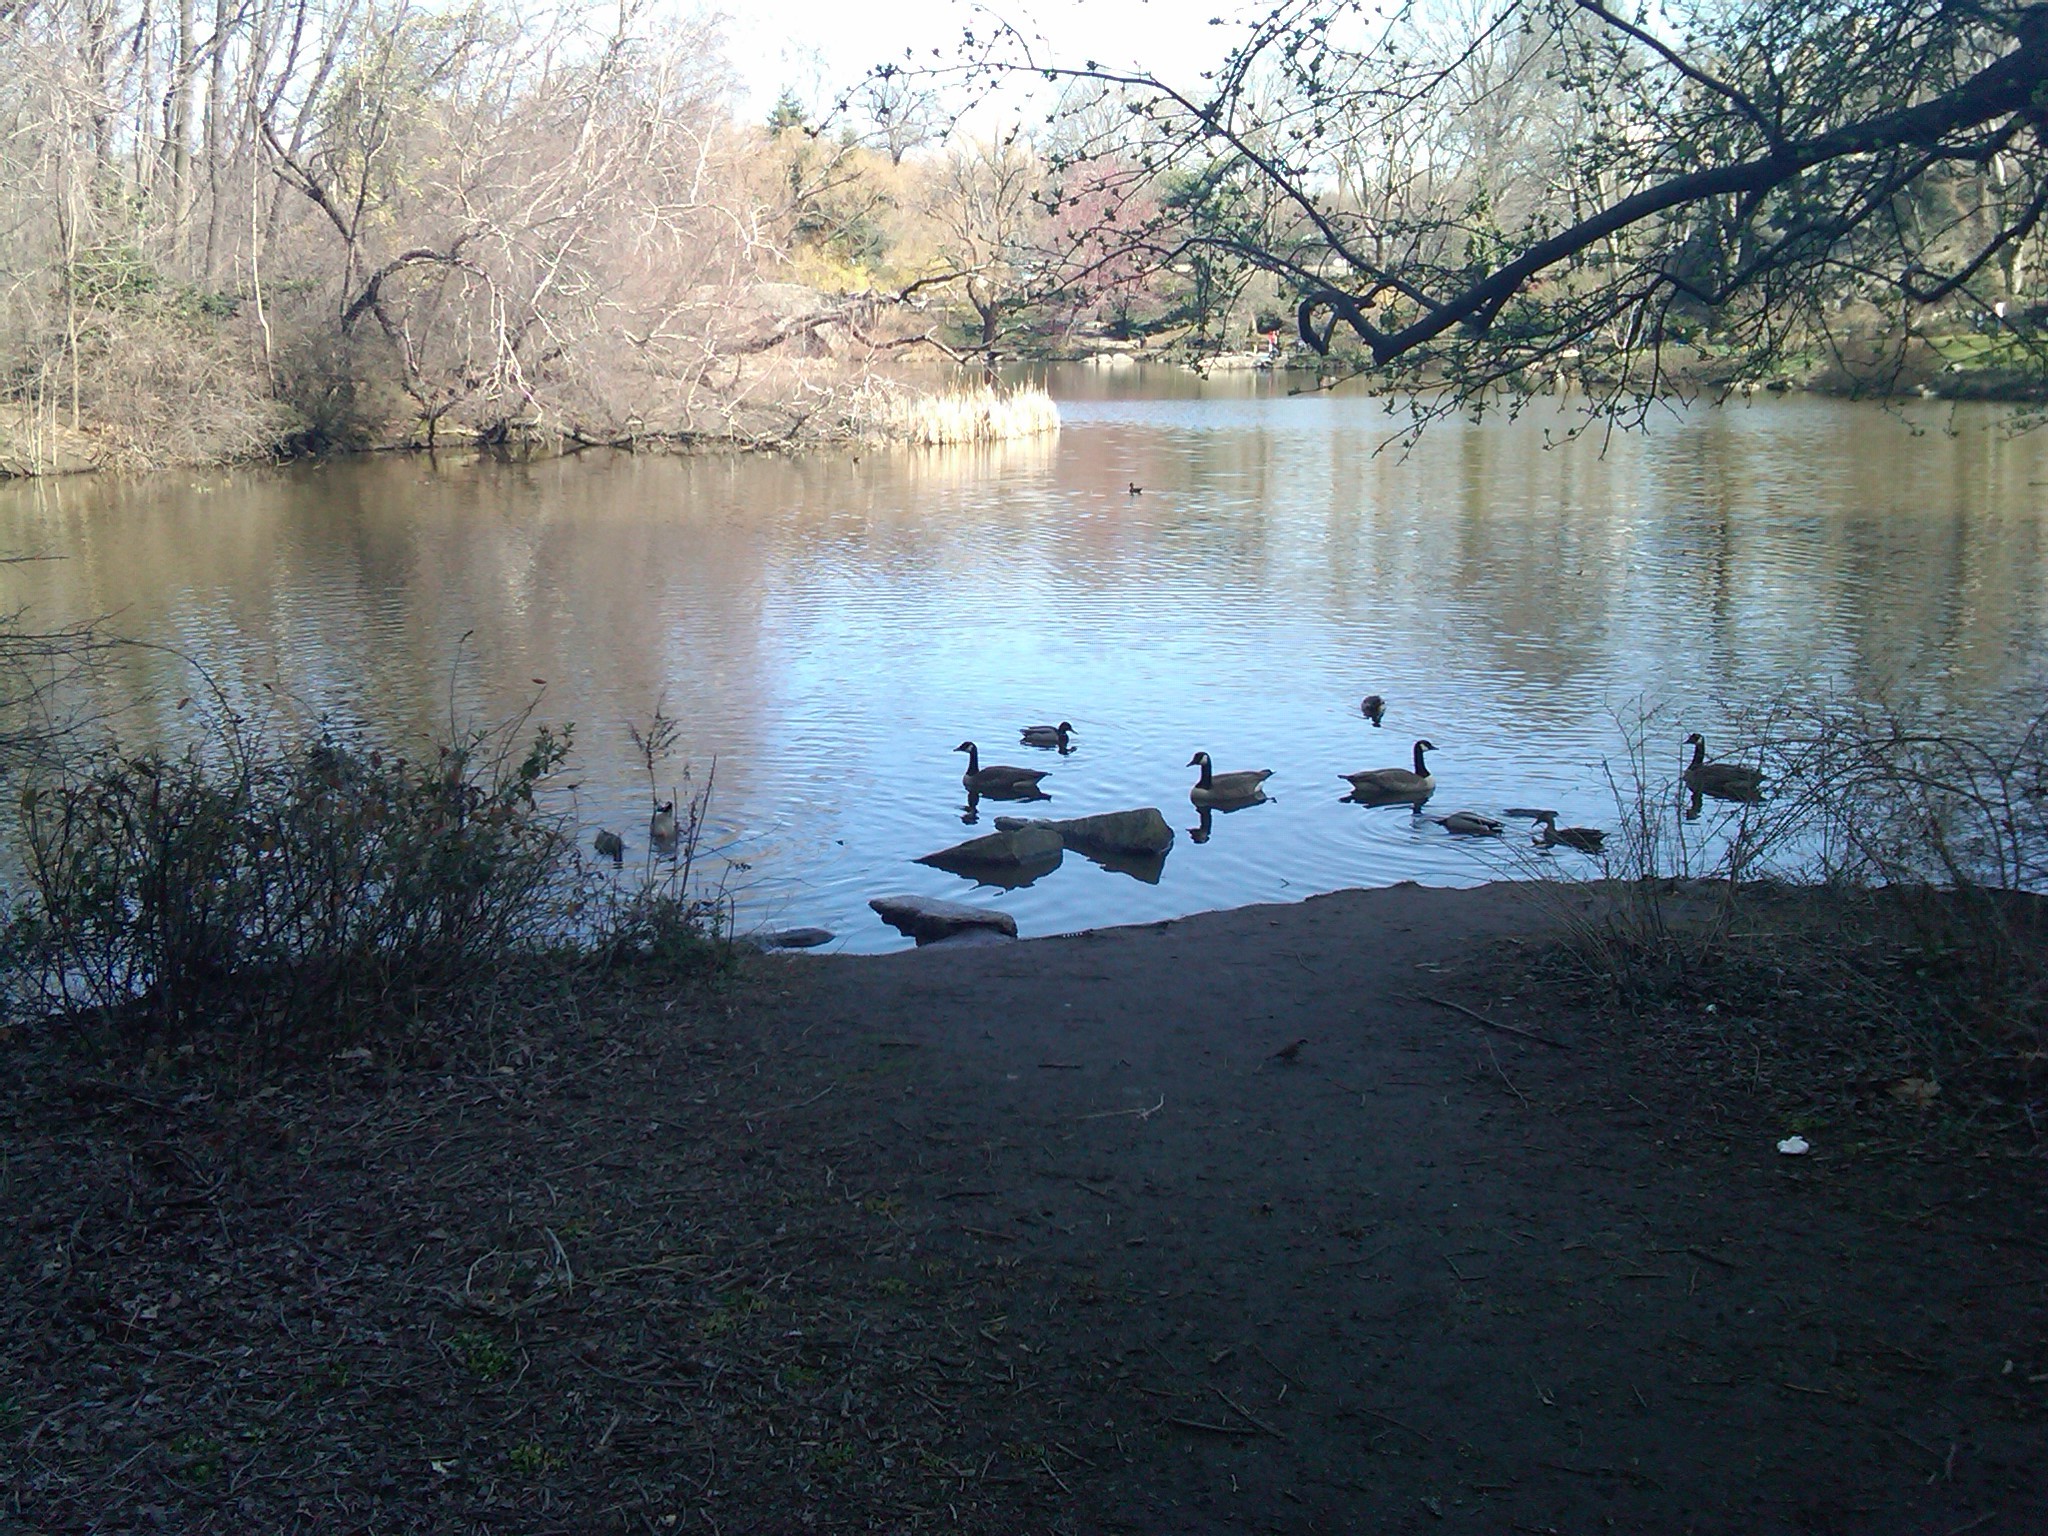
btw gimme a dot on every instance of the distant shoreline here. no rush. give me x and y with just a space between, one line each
69 452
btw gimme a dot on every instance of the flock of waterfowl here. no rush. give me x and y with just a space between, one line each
1370 786
1247 786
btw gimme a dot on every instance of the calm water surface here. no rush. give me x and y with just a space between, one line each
828 628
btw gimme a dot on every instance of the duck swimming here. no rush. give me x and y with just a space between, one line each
1048 735
1469 824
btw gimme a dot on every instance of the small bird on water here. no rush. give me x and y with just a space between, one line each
1136 489
1290 1052
661 826
610 845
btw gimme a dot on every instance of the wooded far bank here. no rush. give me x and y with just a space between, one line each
260 227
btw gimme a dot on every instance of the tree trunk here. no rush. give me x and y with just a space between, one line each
216 133
178 127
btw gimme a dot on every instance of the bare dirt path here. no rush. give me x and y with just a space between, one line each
1428 1274
1032 1237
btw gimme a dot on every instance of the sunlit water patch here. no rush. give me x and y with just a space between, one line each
828 628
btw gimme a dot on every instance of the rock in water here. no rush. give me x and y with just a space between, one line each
1007 848
927 919
1140 831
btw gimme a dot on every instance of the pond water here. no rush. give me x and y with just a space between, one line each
828 628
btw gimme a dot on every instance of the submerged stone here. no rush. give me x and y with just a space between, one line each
1005 848
1130 832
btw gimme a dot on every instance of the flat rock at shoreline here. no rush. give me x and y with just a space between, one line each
766 939
928 919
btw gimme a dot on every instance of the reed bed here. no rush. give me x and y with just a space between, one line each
979 415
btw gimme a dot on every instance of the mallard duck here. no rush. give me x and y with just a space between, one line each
1469 824
1724 781
1214 788
610 845
1372 706
1551 835
996 781
661 826
1048 735
1394 783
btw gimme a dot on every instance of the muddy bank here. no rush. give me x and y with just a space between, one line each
1036 1237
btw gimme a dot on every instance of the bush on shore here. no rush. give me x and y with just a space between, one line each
1884 900
283 883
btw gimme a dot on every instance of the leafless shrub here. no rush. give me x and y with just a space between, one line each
40 713
288 880
1886 898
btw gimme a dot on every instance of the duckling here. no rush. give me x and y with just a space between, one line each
997 781
1381 785
1048 735
1551 835
1136 489
1373 707
1724 781
1221 788
610 845
1469 824
661 826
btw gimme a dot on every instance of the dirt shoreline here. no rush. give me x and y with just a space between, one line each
1035 1237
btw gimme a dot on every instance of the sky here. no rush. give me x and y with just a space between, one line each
819 47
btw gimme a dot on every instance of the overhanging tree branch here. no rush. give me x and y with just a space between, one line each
2016 83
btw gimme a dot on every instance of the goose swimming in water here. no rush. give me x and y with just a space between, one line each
1214 788
1724 781
1373 707
997 781
1383 785
610 845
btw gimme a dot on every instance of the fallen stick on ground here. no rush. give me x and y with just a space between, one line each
1246 1414
1480 1018
1111 1114
1214 1429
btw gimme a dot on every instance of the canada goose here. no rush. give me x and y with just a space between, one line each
1372 706
610 845
1551 835
1724 781
1221 788
1384 784
997 781
661 826
1048 735
1469 824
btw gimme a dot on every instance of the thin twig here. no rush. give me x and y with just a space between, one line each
1480 1018
1246 1414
